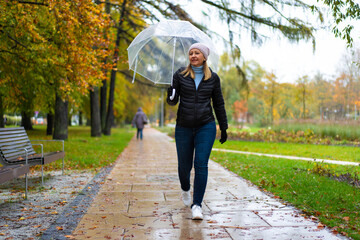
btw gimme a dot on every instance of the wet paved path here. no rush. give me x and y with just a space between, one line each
140 199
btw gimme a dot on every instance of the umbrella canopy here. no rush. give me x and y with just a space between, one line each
163 47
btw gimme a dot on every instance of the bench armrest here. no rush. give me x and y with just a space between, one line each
53 140
42 148
25 150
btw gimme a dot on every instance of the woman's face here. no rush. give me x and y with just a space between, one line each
196 57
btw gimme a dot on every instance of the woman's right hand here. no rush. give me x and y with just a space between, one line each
169 91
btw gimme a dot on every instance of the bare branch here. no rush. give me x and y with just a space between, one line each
34 3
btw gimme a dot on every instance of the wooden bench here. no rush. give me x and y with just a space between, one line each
17 154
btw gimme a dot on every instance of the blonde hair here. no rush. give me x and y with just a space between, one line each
188 70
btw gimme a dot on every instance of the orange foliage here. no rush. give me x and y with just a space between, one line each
239 110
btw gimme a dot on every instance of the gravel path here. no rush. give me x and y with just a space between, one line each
49 211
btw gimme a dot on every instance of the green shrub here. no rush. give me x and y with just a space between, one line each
12 120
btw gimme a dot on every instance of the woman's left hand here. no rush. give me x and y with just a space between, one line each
223 136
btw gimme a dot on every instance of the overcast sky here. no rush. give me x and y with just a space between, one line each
288 61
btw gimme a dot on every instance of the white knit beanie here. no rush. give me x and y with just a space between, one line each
204 49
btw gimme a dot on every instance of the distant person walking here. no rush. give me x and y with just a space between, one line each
139 121
197 86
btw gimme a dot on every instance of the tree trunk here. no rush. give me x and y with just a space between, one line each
69 119
50 123
26 120
110 113
103 98
95 113
304 106
61 119
2 122
80 118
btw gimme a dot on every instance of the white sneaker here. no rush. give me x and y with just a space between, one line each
186 197
196 212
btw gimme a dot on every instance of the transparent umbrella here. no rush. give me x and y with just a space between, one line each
163 47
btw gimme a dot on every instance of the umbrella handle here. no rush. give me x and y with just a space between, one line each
173 94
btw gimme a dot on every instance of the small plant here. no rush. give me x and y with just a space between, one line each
327 170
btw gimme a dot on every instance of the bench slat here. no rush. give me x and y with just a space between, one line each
12 128
17 153
20 145
14 154
8 137
10 133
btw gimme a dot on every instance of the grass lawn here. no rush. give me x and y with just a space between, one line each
336 204
342 153
82 150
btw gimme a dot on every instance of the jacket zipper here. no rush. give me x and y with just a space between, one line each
196 99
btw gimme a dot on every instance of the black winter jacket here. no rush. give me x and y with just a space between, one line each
195 105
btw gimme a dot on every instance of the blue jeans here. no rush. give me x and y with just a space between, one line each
139 132
200 139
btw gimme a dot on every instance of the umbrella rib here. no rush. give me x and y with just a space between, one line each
139 49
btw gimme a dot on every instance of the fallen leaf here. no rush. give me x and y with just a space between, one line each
59 228
69 236
346 218
212 221
320 226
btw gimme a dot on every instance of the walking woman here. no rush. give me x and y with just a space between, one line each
196 86
139 121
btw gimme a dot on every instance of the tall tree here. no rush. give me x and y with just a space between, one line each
271 94
110 112
303 94
103 89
